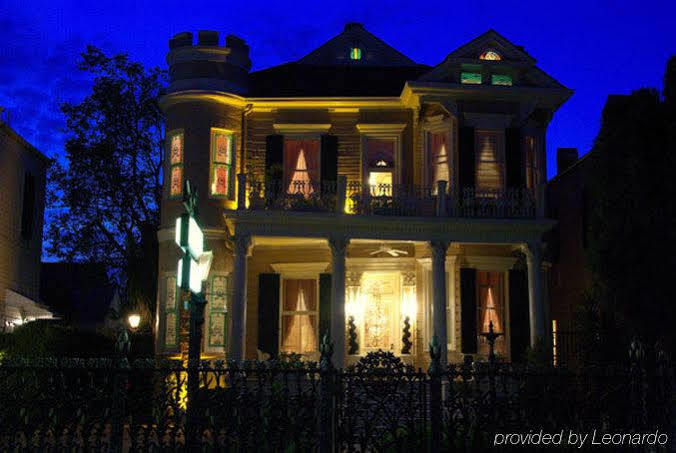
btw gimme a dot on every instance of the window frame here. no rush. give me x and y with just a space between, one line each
503 282
436 125
381 132
359 53
495 77
532 170
282 312
302 137
500 134
213 164
179 165
468 81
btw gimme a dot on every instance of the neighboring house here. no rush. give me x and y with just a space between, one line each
357 193
80 293
22 205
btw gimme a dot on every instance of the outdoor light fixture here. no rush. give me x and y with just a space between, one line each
134 320
191 273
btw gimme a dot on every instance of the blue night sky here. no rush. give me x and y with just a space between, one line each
595 48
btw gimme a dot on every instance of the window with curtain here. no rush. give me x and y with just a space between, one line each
222 158
175 163
438 159
299 316
380 165
491 308
301 166
489 161
532 175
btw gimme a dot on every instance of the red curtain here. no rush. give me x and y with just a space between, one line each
292 150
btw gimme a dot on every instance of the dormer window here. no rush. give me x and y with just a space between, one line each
355 53
501 79
490 55
472 78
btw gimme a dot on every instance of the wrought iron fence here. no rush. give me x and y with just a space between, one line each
378 404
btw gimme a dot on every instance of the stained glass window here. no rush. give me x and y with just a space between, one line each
171 319
490 55
176 152
217 297
472 78
222 156
501 79
355 53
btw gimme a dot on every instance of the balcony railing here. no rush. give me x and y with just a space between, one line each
388 200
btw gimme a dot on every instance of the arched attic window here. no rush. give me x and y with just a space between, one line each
490 54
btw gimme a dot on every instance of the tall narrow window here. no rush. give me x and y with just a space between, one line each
380 165
489 161
299 316
301 166
222 158
175 163
28 209
532 173
355 53
171 311
491 308
438 159
217 298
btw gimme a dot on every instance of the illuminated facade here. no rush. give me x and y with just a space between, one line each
359 194
22 204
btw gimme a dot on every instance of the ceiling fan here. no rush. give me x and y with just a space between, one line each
387 249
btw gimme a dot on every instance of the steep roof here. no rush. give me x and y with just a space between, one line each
304 80
374 51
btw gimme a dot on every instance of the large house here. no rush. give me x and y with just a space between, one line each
22 205
359 194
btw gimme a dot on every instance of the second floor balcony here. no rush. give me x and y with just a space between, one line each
404 200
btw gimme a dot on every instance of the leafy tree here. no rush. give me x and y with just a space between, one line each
632 247
110 187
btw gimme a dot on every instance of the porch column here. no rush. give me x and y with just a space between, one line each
533 253
238 312
439 296
338 247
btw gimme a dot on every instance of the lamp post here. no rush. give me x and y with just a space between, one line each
193 269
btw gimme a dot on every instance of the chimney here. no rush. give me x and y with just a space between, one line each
565 158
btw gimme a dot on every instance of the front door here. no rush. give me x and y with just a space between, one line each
381 299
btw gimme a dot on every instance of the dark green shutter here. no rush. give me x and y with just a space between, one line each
324 305
268 313
514 157
274 157
468 310
329 161
466 157
519 328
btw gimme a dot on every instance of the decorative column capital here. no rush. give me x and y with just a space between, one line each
353 278
408 279
338 245
242 243
439 248
532 250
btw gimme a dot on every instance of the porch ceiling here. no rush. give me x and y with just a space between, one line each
315 226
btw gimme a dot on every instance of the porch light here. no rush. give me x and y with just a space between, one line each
134 320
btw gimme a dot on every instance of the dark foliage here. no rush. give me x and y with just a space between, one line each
106 197
632 241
